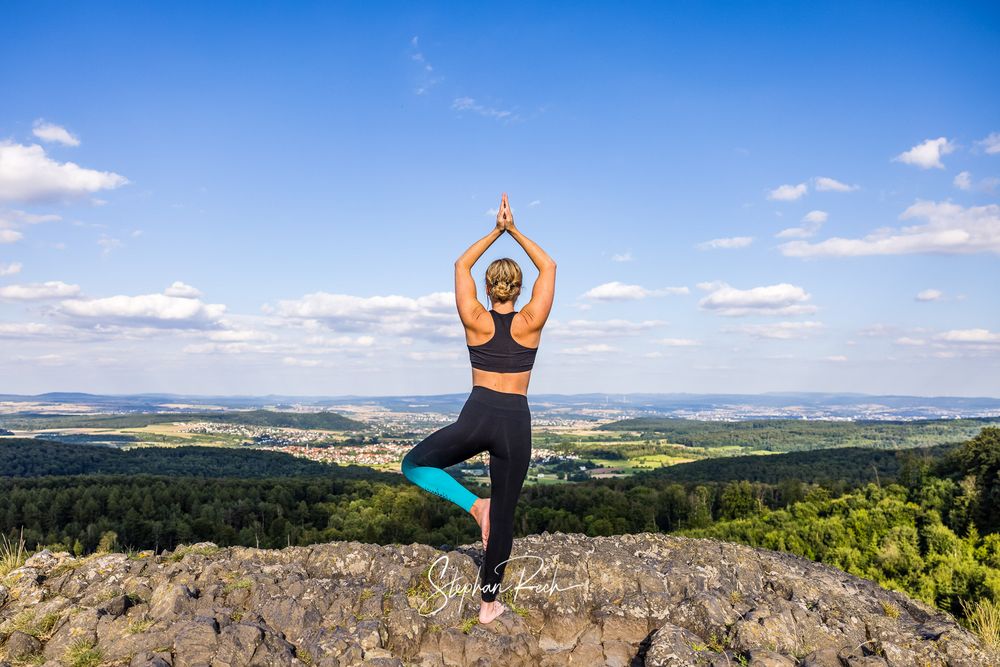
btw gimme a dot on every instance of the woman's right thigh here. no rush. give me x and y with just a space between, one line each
456 442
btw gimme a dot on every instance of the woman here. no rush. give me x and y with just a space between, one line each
502 344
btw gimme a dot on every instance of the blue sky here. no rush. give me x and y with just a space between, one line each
268 197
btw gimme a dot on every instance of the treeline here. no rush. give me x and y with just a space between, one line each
836 469
104 490
784 435
330 421
932 535
29 457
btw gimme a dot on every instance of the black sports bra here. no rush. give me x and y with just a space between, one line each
502 354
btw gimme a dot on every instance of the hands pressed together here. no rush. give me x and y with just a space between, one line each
505 219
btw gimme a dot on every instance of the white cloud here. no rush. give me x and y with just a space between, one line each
108 244
950 229
677 342
426 77
432 316
28 174
963 181
927 154
730 242
622 257
598 328
780 330
929 295
301 363
824 183
534 202
12 221
51 132
182 290
10 269
779 299
594 348
788 192
469 104
968 336
53 289
617 291
836 357
991 144
152 310
912 342
812 220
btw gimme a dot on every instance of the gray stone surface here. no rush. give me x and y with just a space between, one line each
629 600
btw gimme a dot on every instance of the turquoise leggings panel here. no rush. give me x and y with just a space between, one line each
438 481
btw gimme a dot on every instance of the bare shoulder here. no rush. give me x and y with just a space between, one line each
478 325
524 331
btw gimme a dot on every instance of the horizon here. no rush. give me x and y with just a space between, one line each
739 199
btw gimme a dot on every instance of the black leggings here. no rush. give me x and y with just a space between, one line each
494 421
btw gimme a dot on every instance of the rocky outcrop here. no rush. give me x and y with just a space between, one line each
646 599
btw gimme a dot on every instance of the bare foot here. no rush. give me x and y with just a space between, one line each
481 511
491 610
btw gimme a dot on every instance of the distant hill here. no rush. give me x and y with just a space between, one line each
783 435
31 457
330 421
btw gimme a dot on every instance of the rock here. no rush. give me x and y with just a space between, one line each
650 599
21 645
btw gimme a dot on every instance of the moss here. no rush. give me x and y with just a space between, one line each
469 623
140 626
507 597
305 656
83 653
239 584
891 610
236 616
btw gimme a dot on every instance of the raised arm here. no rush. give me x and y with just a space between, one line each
536 311
466 300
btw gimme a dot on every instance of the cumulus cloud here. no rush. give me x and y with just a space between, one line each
150 310
678 342
788 192
593 348
911 342
963 181
927 154
28 174
12 221
991 144
432 316
779 330
779 299
730 242
622 257
950 229
598 328
929 295
10 269
617 291
969 336
811 223
824 183
53 289
182 291
53 133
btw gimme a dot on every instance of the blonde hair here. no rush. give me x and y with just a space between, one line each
503 278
